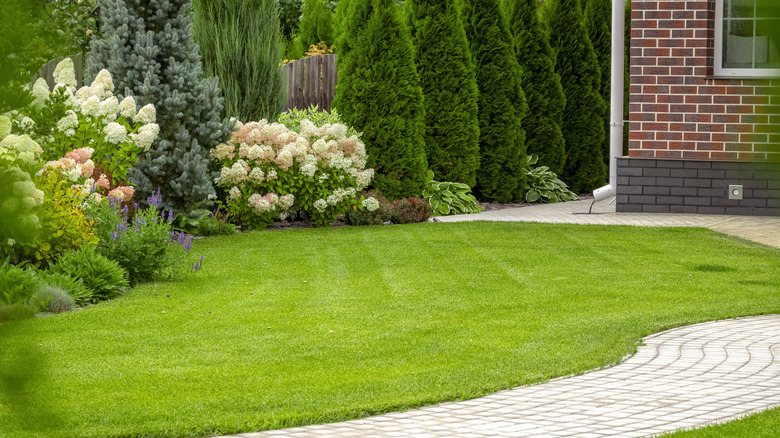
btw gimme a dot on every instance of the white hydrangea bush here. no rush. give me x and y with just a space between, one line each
271 172
88 118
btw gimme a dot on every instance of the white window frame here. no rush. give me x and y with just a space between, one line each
738 73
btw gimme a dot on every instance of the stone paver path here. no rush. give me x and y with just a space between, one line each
680 378
760 229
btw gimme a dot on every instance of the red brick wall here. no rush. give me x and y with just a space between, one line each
677 109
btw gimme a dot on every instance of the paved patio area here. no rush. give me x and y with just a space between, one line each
762 229
681 378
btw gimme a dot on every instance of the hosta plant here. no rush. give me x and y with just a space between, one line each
272 172
544 185
449 197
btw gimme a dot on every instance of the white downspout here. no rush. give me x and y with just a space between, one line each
616 98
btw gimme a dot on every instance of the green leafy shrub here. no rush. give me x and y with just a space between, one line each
316 24
17 285
293 117
449 197
101 276
408 210
543 184
270 172
73 286
53 299
139 243
203 223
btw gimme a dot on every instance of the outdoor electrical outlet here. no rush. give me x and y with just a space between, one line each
735 191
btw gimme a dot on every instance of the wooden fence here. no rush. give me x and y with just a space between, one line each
310 81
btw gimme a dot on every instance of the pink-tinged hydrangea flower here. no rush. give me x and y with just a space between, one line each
65 73
284 159
80 155
147 114
223 151
127 107
125 193
103 182
271 175
87 168
115 133
146 136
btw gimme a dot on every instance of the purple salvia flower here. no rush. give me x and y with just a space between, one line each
113 235
143 221
170 215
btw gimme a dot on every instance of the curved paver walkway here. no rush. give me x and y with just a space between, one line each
680 378
762 229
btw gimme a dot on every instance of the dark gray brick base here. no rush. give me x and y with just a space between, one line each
688 186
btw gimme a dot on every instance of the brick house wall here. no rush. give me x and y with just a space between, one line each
683 118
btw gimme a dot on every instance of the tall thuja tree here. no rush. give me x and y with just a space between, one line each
541 85
449 89
240 42
147 46
339 23
316 24
583 118
502 104
379 93
598 22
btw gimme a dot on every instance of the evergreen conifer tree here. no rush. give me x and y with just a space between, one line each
240 42
379 93
316 24
541 85
449 89
502 104
339 23
147 46
583 118
598 22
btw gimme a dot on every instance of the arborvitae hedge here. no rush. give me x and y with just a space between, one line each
583 123
147 46
449 89
316 24
240 42
379 93
541 85
598 22
502 104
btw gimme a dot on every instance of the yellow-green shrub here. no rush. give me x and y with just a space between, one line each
65 226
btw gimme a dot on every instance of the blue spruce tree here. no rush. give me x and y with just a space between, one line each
147 46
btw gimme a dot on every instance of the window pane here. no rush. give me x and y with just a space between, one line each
738 44
739 9
766 44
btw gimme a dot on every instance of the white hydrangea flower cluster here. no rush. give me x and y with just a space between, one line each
68 124
370 204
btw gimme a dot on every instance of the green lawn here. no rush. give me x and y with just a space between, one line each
285 328
762 425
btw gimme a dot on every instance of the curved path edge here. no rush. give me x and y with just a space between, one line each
681 378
